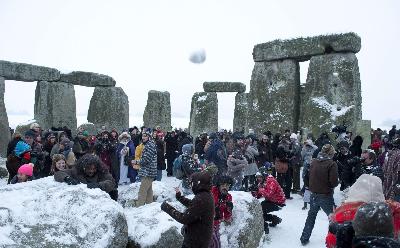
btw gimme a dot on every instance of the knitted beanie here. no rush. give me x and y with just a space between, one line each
373 219
26 169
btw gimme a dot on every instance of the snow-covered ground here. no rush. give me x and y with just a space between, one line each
286 234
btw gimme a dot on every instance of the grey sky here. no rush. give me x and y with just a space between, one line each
145 45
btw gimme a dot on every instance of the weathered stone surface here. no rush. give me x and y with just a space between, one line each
3 172
4 126
89 127
363 128
247 227
274 98
332 93
109 107
240 118
302 49
23 127
204 113
89 79
224 87
158 110
27 72
45 213
55 105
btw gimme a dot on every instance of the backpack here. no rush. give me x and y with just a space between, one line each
177 168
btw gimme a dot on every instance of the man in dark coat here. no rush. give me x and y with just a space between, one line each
199 215
323 178
90 171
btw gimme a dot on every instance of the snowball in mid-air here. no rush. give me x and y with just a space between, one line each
198 56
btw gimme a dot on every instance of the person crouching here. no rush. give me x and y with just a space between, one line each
270 189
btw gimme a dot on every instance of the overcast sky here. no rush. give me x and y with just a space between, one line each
145 45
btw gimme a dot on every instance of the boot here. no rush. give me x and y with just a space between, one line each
305 206
275 221
266 228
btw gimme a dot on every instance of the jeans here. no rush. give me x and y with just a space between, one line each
317 201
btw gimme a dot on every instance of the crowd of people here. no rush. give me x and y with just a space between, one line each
266 165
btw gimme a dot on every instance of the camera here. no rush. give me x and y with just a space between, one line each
355 160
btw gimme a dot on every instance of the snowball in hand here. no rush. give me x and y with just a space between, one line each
198 56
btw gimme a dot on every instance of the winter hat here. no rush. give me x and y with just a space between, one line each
26 169
65 142
30 133
373 219
367 188
21 147
309 142
328 150
85 133
293 136
33 125
258 174
187 149
212 136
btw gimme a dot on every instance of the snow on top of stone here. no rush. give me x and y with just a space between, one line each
334 109
40 205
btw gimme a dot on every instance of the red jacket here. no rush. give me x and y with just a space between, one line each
271 191
224 212
347 211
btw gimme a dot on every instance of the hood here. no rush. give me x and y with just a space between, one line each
367 188
201 181
124 135
21 148
187 149
374 241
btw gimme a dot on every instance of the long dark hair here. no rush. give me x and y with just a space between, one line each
89 159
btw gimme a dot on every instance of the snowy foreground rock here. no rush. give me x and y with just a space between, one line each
150 227
3 170
44 213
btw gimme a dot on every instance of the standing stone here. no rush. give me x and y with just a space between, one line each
302 49
274 96
240 118
224 87
27 72
363 128
332 93
204 113
55 105
109 107
89 79
158 110
4 127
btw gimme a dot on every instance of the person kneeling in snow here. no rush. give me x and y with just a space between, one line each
90 171
25 173
274 196
198 218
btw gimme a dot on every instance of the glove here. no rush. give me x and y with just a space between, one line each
93 185
165 206
71 181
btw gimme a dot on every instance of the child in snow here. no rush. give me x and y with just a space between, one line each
25 173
